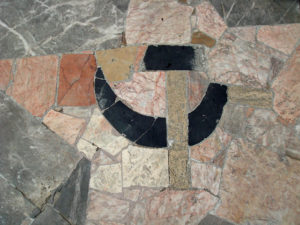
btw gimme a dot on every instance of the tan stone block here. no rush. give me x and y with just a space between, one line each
179 169
117 64
203 39
251 97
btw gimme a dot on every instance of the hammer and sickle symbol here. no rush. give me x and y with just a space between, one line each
152 132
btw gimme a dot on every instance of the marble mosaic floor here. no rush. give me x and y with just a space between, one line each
150 112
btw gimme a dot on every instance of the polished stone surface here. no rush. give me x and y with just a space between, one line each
6 73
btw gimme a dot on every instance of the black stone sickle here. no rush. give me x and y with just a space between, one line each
149 131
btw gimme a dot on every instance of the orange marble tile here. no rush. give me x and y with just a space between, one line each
5 73
35 83
76 80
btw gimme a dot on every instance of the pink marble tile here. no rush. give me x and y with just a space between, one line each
158 22
287 89
281 37
139 57
5 73
209 20
66 126
235 61
197 87
35 83
244 33
145 93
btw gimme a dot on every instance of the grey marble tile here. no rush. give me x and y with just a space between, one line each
38 27
50 217
32 158
258 12
14 208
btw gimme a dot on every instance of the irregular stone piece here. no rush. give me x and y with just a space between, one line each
106 178
117 64
101 158
294 154
35 83
103 135
76 80
131 194
197 87
87 148
206 176
202 39
145 93
244 33
252 97
14 207
65 126
259 173
209 21
287 89
235 61
27 145
283 37
178 128
105 208
51 217
81 112
72 202
214 220
145 167
157 22
5 73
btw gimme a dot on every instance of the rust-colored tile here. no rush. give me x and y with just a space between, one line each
76 80
117 63
65 126
5 73
203 39
35 83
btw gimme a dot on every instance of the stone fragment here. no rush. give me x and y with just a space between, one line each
144 93
293 153
14 207
187 206
244 33
35 83
50 216
206 176
156 22
101 158
214 220
72 202
139 57
5 73
206 150
197 88
138 214
145 167
106 177
87 148
202 39
117 64
263 178
81 112
251 97
178 128
286 89
106 208
76 80
103 135
209 21
131 194
65 126
281 37
234 61
32 158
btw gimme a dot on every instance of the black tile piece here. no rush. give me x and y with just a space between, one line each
166 57
72 202
204 119
100 74
128 122
214 220
104 94
257 12
156 137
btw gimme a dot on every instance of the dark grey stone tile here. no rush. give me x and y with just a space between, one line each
50 217
257 12
32 158
14 208
72 202
213 220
